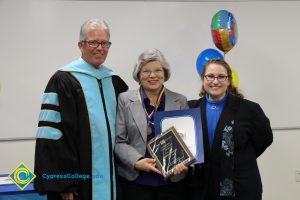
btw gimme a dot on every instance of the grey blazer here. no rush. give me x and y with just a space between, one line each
131 129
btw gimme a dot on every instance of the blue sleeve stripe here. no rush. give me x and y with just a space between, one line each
50 98
50 116
47 132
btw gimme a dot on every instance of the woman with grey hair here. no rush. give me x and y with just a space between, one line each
148 56
139 177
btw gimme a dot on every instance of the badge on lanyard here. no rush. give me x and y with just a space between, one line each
149 129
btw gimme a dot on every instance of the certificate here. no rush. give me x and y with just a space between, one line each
169 150
188 125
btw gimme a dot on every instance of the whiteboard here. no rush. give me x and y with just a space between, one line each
39 37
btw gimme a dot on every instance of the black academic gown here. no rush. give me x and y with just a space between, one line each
252 135
71 153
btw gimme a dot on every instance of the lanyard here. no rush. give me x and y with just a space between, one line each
156 104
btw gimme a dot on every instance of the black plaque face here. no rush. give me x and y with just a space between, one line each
169 150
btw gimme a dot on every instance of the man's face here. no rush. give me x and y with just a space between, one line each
94 55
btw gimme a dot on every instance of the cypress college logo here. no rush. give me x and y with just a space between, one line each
22 176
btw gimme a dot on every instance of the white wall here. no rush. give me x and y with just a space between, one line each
14 152
38 37
278 165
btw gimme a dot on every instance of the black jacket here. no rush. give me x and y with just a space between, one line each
252 135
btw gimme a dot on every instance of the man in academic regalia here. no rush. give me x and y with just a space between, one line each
76 130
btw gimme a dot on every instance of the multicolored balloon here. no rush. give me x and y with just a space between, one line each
224 30
235 78
205 56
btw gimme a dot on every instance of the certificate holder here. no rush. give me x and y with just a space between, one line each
189 126
169 150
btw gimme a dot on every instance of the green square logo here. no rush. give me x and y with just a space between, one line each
22 176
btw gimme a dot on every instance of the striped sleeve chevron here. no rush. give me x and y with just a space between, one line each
50 118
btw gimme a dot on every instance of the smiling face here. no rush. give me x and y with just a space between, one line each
152 76
94 56
215 88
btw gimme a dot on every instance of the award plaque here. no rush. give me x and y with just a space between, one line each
169 150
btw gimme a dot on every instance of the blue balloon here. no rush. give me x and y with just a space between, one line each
205 56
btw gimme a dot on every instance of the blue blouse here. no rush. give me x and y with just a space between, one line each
213 113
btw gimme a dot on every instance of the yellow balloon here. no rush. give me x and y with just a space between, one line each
235 78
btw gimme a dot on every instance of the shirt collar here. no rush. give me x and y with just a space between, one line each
218 102
145 98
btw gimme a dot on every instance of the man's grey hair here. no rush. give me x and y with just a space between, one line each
93 24
150 56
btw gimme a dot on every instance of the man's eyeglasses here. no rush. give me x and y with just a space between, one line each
211 77
95 43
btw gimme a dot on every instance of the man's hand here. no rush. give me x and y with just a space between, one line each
68 196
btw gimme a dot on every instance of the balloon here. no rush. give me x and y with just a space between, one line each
205 56
224 30
235 78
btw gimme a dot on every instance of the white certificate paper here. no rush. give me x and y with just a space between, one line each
188 125
5 181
